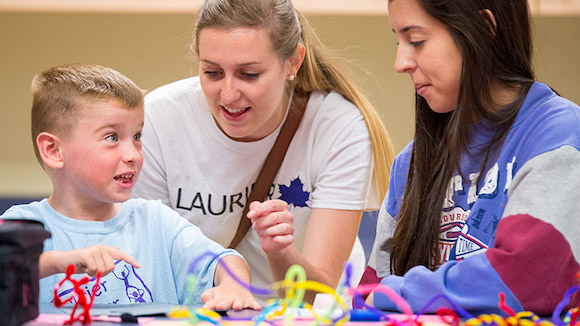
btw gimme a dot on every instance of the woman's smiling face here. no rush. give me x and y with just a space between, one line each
243 80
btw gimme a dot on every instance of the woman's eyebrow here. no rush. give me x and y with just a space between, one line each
406 29
241 64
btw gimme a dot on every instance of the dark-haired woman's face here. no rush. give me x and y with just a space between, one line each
428 53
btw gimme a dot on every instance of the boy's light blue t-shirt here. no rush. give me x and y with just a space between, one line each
164 244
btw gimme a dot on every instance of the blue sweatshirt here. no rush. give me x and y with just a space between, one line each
514 229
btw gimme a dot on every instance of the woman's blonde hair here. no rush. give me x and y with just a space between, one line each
287 28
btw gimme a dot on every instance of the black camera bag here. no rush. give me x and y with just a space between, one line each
21 243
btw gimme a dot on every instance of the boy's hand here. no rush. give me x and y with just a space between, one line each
273 223
225 297
99 258
90 260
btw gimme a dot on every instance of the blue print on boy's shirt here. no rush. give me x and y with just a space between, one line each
134 289
294 194
123 282
88 288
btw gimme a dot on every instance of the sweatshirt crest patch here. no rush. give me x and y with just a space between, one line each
468 245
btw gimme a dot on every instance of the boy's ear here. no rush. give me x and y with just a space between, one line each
49 148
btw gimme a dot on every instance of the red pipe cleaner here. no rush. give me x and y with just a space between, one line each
79 294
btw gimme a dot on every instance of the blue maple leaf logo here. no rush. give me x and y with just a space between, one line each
294 194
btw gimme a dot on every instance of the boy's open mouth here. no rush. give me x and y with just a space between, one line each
125 178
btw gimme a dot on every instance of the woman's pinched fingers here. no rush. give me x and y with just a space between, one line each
283 241
272 219
276 230
258 209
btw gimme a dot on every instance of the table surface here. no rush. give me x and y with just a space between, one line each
50 315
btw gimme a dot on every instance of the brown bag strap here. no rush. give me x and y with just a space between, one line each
273 162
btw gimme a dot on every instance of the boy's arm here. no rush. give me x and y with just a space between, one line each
229 293
48 263
90 260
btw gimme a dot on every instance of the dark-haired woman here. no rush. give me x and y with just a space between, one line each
485 198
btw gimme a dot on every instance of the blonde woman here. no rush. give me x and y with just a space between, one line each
207 137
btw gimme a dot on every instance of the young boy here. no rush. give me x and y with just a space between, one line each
86 128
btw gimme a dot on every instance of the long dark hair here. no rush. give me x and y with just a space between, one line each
496 50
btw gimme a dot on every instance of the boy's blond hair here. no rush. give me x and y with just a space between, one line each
60 93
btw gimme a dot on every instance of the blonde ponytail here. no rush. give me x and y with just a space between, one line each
319 72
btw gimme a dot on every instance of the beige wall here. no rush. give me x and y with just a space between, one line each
152 50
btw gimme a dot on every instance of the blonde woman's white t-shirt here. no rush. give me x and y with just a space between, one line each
194 168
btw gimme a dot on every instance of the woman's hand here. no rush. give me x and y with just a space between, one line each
227 292
328 242
229 297
273 223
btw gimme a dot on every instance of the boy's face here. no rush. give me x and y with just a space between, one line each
102 156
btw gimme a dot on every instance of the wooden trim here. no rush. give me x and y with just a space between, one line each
101 6
340 7
322 7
